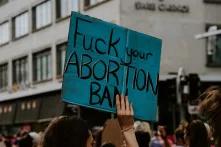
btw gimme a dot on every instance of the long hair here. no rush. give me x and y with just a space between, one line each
66 132
210 107
197 134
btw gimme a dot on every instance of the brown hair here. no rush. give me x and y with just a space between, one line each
197 134
210 107
66 132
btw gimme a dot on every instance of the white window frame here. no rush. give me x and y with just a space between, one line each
94 2
61 52
64 7
42 20
4 75
21 25
4 32
43 65
20 68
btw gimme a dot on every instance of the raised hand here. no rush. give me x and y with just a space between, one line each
124 113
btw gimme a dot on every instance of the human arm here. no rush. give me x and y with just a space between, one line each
125 117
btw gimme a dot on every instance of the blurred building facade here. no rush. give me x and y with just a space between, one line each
33 39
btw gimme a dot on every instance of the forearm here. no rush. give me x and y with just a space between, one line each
130 138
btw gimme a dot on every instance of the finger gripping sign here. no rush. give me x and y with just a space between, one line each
104 59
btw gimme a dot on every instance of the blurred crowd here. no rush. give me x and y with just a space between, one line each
196 132
119 133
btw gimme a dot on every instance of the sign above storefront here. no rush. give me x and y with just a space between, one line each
162 7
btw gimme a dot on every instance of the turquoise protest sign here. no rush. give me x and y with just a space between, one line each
104 59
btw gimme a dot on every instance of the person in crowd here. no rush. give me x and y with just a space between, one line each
36 138
163 132
179 135
31 139
68 132
143 138
112 133
25 141
210 135
97 134
157 140
210 107
108 145
142 132
2 141
74 132
7 141
196 134
183 125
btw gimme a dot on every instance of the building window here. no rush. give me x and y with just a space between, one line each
4 33
9 108
42 15
23 106
20 25
42 66
2 2
61 50
89 3
3 76
34 104
20 71
213 46
64 7
212 1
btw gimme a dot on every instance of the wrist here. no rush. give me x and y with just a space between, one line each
128 130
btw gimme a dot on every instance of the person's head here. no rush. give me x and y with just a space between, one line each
67 132
36 138
162 130
26 141
210 107
142 132
97 134
108 145
196 134
143 138
1 138
179 134
143 126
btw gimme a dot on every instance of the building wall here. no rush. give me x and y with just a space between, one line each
107 11
177 30
50 36
56 33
